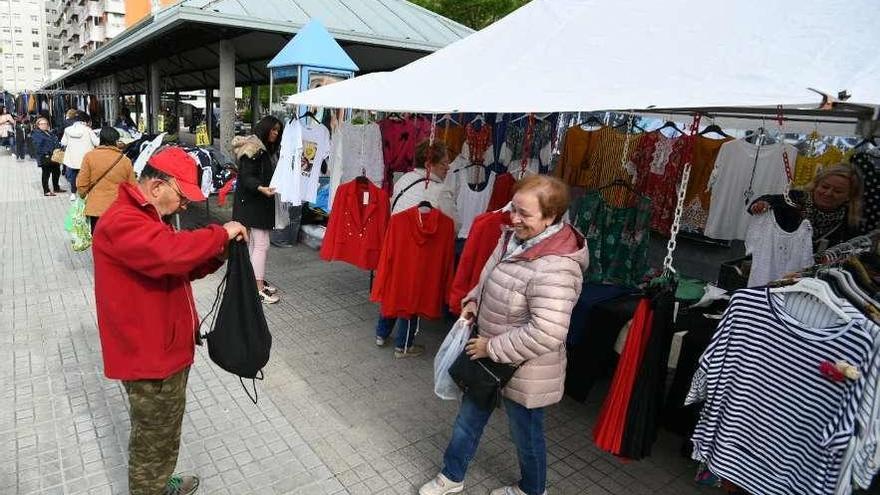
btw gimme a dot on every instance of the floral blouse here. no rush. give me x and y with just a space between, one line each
618 239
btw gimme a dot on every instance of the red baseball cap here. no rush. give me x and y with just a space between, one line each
176 163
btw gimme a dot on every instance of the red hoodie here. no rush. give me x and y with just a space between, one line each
478 248
146 313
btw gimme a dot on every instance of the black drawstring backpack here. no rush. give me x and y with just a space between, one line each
240 340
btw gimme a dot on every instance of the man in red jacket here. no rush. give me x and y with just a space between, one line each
146 312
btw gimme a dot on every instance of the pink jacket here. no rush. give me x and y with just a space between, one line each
525 311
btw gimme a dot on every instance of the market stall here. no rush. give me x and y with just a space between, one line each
634 130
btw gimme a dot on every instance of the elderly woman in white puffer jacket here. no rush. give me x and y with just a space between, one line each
528 289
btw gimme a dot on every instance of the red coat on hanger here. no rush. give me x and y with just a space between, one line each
481 242
416 264
357 225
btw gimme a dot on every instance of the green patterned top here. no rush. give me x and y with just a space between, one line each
617 239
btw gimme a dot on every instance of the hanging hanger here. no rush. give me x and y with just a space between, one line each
634 126
817 289
447 118
309 114
591 121
714 128
670 124
872 140
479 117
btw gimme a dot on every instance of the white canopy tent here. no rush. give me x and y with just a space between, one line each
590 55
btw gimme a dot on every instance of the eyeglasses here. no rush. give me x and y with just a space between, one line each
183 200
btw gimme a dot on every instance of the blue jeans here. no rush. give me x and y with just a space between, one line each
70 174
527 430
406 330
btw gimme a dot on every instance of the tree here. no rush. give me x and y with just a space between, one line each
475 14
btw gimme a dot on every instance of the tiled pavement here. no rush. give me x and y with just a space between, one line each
335 413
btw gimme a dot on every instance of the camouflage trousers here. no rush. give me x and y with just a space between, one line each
156 411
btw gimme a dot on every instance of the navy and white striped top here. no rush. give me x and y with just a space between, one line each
771 422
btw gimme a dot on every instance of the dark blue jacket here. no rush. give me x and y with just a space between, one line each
44 142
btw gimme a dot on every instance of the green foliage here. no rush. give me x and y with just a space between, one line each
283 89
475 14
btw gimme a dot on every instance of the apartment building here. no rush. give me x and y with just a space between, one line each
53 37
22 44
83 26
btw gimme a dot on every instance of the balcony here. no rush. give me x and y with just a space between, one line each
112 31
94 9
114 6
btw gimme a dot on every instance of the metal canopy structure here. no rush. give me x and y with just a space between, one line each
182 40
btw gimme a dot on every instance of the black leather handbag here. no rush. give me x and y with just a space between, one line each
481 380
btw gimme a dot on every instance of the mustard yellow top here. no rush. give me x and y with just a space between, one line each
806 167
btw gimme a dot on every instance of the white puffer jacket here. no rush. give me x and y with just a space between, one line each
79 139
525 310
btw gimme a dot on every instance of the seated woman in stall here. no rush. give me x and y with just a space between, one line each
832 203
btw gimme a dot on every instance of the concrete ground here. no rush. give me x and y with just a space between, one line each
336 415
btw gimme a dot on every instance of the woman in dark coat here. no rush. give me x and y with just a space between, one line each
45 143
254 205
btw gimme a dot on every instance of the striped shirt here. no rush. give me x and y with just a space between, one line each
771 422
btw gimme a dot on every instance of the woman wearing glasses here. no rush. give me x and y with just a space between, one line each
254 205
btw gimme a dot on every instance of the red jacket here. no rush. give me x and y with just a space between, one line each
481 241
146 313
355 230
415 267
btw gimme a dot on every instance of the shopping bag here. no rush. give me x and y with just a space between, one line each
452 347
77 225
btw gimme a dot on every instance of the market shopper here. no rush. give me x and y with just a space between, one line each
832 202
7 129
45 143
427 182
103 170
254 203
146 313
522 307
78 140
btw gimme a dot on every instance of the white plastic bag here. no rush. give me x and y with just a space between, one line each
450 349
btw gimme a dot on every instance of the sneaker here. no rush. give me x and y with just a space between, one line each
181 485
267 298
269 288
72 197
441 485
510 490
381 341
60 190
411 351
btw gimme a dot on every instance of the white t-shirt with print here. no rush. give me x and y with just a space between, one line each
315 149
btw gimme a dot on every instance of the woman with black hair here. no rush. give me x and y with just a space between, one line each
254 205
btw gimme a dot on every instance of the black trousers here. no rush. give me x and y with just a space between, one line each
50 169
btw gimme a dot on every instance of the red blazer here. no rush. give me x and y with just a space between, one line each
481 241
502 191
356 230
415 267
146 312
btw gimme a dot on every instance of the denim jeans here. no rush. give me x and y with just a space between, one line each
406 330
526 429
70 174
288 235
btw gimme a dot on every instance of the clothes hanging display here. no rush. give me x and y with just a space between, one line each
806 167
357 149
618 239
542 135
415 265
658 165
776 252
573 164
771 351
357 225
400 136
287 177
605 158
502 192
453 135
868 163
743 172
482 240
315 149
472 202
697 199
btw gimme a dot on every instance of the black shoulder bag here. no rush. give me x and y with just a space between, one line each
482 380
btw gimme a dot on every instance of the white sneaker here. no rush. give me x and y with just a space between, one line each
441 485
380 342
267 299
72 196
509 490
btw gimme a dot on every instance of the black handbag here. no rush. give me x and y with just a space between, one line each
481 380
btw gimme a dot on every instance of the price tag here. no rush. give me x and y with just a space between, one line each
366 197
